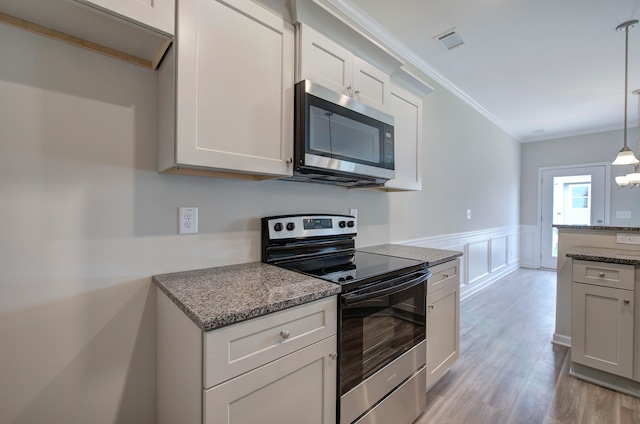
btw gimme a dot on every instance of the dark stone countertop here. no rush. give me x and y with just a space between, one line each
602 254
216 297
598 227
431 256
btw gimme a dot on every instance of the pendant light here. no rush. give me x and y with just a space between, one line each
632 179
626 156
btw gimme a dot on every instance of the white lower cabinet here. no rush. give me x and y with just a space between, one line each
443 319
602 325
298 388
280 368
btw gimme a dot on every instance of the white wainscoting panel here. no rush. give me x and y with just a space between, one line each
479 259
488 254
498 253
529 246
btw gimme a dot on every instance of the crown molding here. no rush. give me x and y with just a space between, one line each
387 39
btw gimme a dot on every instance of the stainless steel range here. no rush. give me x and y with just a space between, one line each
381 314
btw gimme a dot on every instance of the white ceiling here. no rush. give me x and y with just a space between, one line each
528 65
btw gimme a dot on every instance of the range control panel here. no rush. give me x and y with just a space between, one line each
303 226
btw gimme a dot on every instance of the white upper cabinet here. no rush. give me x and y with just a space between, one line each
155 14
329 64
406 109
233 94
136 31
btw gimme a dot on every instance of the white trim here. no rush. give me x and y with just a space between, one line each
561 340
462 241
530 246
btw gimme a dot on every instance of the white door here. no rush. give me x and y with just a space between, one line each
570 196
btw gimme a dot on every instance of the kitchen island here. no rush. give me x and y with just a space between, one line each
585 236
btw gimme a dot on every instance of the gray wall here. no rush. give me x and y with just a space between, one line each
86 221
583 149
468 163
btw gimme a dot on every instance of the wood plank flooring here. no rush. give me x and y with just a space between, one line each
510 372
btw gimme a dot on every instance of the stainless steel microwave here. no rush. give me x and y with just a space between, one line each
338 140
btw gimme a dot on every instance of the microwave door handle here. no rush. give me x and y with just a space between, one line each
352 298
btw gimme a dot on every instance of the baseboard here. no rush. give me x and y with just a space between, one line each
561 340
478 285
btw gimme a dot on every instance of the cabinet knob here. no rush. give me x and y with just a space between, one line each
626 301
602 274
445 275
333 355
430 306
357 91
289 160
285 334
349 88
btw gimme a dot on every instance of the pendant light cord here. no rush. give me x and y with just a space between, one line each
626 66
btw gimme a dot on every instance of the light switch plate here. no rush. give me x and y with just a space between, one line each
623 214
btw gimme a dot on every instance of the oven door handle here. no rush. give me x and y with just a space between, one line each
351 298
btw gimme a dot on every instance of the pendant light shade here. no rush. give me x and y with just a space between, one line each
625 157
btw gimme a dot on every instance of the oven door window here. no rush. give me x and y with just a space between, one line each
377 331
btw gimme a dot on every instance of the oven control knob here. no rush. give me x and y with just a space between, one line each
341 279
342 224
350 224
349 277
278 226
290 226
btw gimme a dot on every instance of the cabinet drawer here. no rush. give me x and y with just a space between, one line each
444 274
233 350
604 274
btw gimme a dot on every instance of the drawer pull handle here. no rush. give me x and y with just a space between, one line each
626 301
333 355
602 274
445 275
285 334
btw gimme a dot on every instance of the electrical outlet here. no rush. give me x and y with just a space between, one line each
187 220
353 212
622 238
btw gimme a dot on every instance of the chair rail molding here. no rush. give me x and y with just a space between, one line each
488 254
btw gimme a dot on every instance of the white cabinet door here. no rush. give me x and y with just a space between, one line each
325 62
298 388
329 64
602 328
443 331
156 14
370 85
406 108
234 94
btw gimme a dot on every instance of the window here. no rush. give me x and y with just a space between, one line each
580 196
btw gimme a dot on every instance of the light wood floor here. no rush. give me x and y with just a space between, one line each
510 372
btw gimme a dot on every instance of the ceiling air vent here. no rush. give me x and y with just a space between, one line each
449 40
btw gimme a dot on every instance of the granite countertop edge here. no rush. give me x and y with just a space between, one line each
597 227
202 311
429 255
603 254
